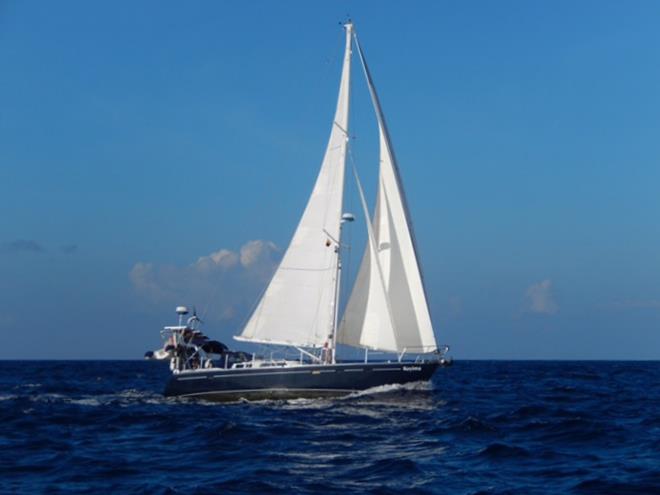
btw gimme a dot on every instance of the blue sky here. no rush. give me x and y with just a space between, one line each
155 153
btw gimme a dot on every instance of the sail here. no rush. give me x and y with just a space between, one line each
398 265
298 306
369 309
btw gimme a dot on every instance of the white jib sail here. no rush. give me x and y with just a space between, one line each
398 261
298 306
369 310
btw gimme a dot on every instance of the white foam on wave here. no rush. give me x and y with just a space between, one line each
371 393
124 398
91 401
308 403
394 387
48 397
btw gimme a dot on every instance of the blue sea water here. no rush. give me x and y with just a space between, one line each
482 427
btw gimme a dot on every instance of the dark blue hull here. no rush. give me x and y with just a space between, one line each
295 381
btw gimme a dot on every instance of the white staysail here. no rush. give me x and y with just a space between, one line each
369 310
299 305
405 301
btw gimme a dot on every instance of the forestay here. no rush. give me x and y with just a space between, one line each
298 306
393 247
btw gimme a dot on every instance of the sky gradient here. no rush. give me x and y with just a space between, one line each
159 153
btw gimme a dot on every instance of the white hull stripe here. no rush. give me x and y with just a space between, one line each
267 390
248 372
232 375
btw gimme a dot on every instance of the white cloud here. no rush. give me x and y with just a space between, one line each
539 298
224 259
145 282
223 284
256 252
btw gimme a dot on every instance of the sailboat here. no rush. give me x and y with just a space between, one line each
386 314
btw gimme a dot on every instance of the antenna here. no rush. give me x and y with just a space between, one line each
194 318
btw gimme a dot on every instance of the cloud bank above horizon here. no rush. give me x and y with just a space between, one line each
223 285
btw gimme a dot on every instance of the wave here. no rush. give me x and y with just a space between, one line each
392 391
598 486
421 386
498 451
484 428
121 398
473 425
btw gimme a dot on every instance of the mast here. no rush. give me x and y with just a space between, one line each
332 337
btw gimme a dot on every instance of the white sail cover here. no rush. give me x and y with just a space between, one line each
298 306
404 301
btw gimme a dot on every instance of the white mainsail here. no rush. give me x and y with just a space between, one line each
299 305
393 247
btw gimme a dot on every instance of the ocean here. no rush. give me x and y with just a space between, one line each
480 427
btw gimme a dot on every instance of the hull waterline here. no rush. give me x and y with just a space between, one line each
296 381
